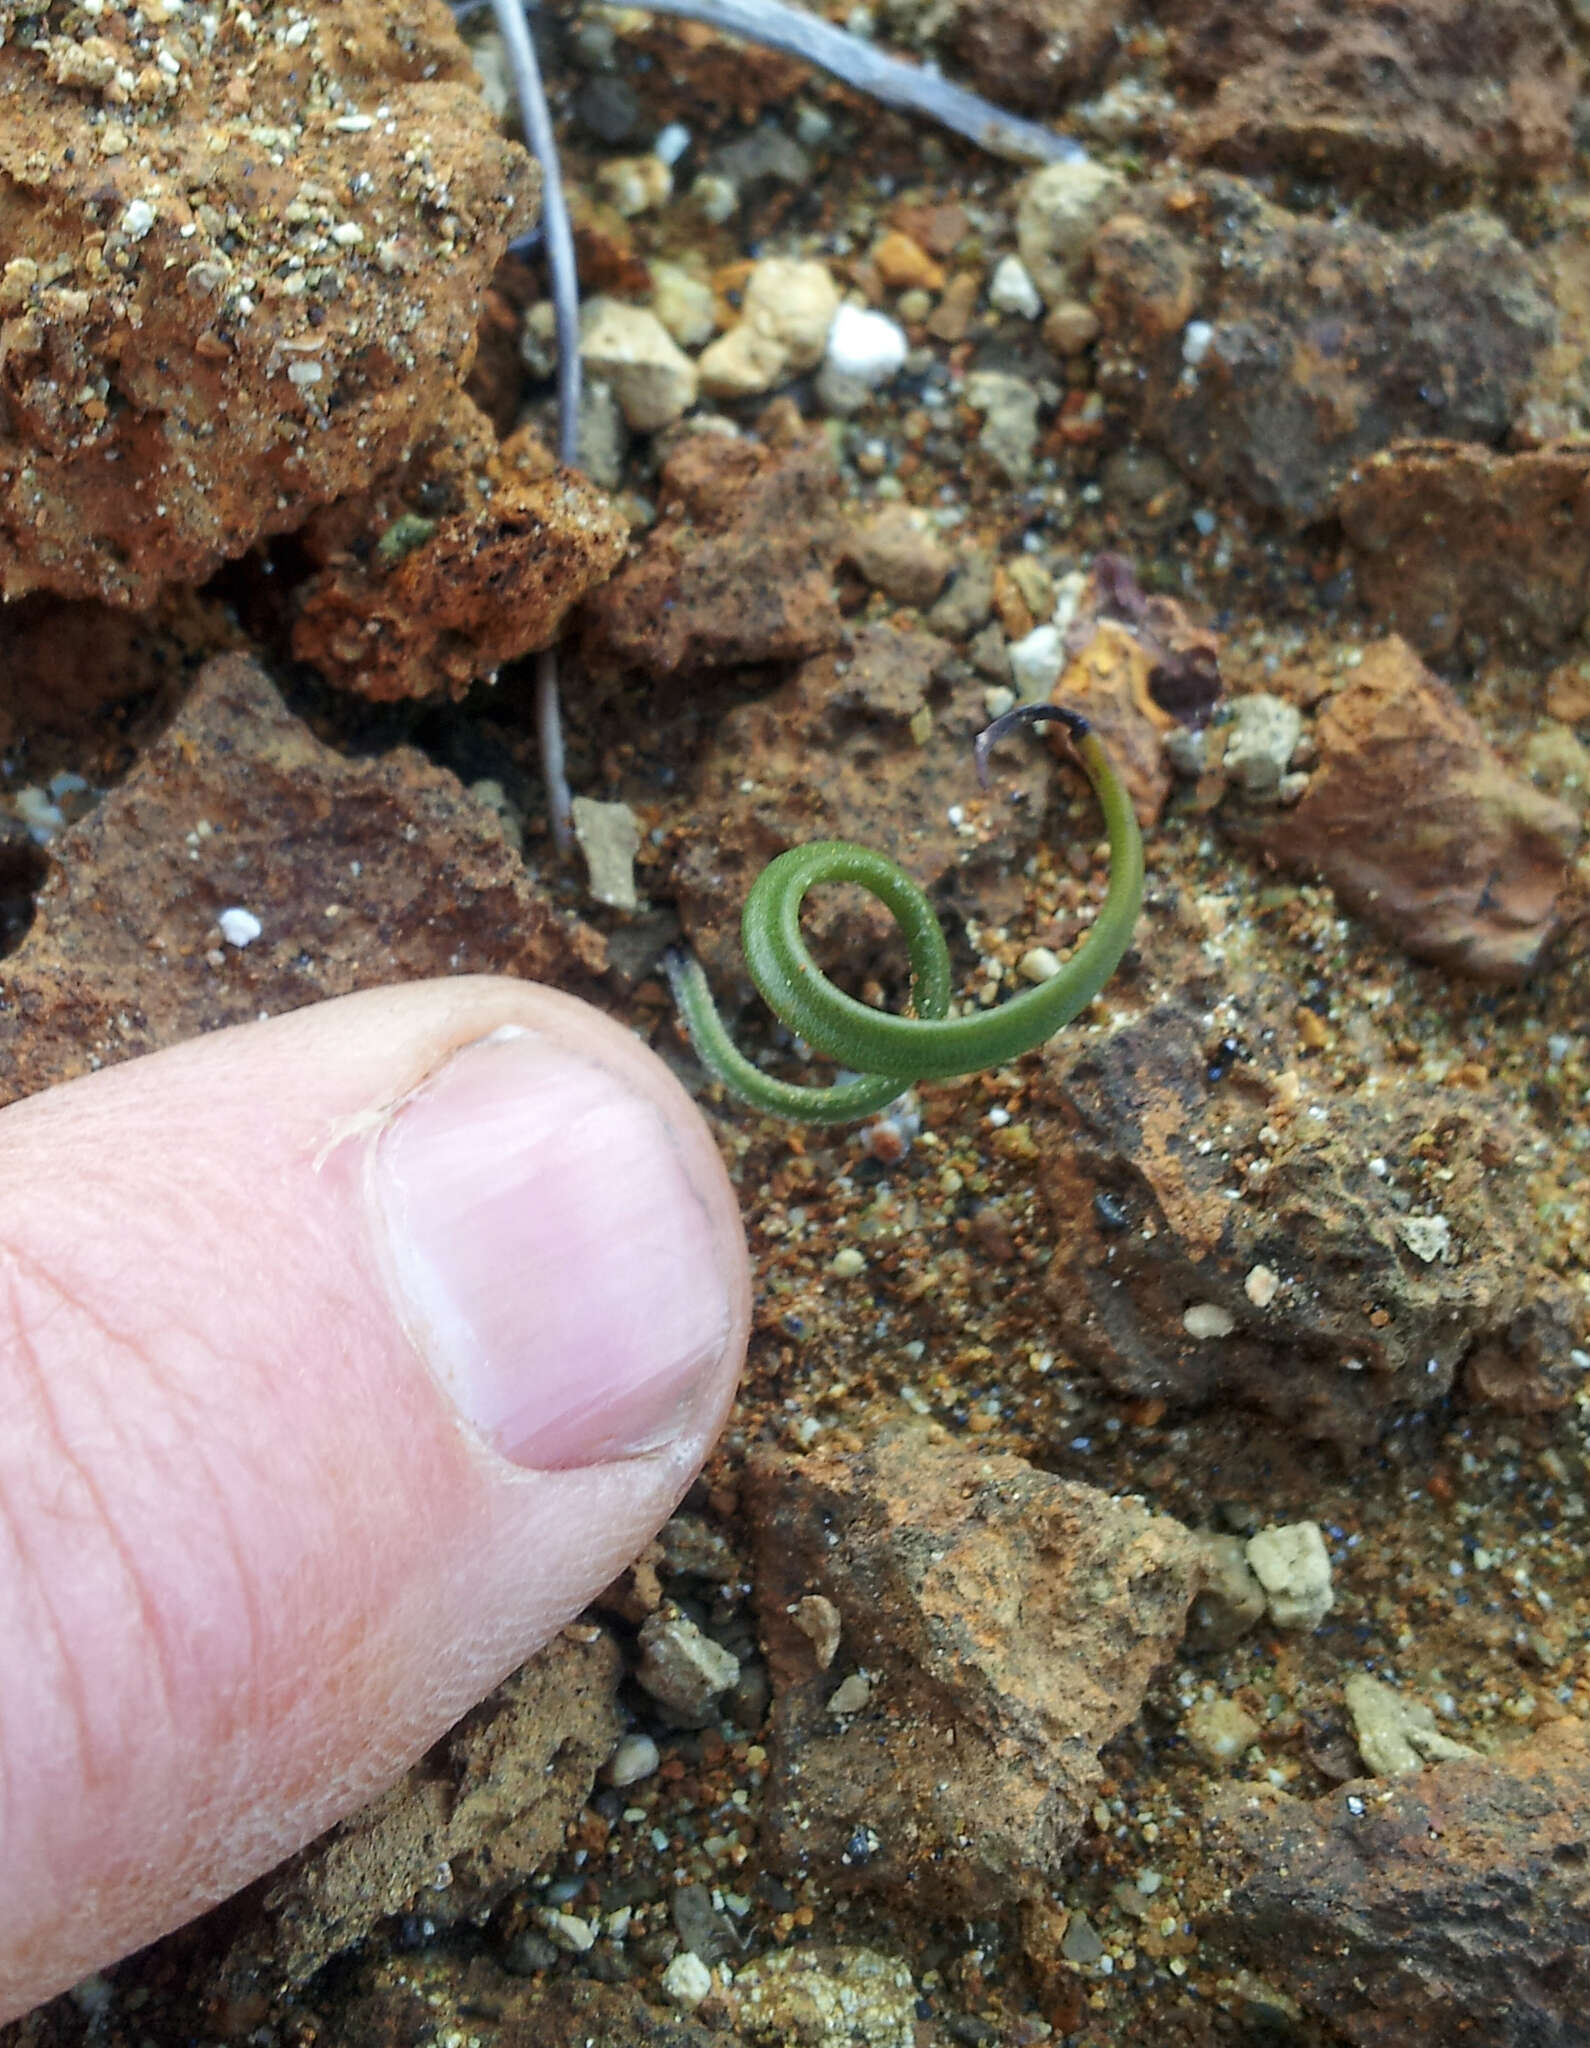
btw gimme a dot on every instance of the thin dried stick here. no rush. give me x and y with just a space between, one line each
536 117
889 79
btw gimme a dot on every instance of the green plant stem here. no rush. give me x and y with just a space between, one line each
890 1053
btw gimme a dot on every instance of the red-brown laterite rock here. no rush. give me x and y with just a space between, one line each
737 571
1447 1906
1269 353
1451 539
1424 89
997 1627
1217 1242
243 268
1033 53
465 557
488 1805
1419 825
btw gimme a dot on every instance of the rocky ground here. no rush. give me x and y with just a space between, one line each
1140 1596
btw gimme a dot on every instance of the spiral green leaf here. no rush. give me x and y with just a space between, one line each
886 1053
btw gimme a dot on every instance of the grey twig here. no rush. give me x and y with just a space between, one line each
889 79
536 116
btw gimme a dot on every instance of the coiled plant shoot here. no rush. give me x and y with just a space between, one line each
887 1054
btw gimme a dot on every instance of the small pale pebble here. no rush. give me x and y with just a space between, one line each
1395 1735
682 1666
1036 662
1071 328
239 927
793 303
1035 584
1187 752
1293 1566
850 1695
1038 964
1261 1286
683 303
631 350
867 346
1208 1319
1009 406
1219 1731
608 836
1011 289
847 1263
569 1932
687 1980
840 396
1429 1238
1196 338
635 184
818 1619
1260 738
742 363
636 1757
42 818
137 219
715 197
1059 212
671 143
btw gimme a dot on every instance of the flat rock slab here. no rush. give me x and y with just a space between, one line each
357 872
996 1628
1448 1906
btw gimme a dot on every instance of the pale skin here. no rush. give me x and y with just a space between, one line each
253 1560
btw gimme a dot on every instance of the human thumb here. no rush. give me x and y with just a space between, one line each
343 1357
